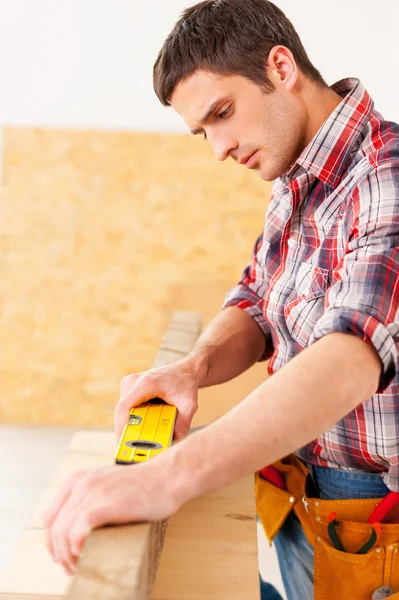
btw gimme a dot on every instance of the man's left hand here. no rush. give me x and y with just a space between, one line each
90 498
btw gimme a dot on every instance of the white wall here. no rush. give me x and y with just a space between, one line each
88 63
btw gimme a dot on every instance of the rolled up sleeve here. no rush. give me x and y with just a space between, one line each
363 298
249 294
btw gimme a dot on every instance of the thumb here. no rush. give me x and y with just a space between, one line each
133 396
182 426
121 417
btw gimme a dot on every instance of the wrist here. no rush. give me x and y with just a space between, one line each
182 473
198 363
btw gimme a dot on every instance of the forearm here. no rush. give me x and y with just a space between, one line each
304 399
230 344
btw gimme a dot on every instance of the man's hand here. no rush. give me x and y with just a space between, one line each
176 384
90 498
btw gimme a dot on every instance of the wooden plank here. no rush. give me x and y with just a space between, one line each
210 546
210 550
121 562
117 562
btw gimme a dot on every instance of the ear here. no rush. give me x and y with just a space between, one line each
281 67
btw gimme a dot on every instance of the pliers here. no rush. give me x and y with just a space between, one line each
335 541
378 514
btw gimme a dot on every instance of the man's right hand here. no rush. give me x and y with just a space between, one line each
176 384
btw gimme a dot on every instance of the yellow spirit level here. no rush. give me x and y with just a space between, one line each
148 432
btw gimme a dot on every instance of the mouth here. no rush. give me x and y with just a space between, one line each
249 161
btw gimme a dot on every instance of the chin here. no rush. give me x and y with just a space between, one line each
270 172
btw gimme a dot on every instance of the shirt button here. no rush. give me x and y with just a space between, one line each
273 295
291 242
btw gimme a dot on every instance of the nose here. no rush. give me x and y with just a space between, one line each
223 146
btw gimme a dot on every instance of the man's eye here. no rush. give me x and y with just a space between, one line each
224 114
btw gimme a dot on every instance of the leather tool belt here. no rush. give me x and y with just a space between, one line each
338 574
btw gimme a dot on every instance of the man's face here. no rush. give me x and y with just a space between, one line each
263 131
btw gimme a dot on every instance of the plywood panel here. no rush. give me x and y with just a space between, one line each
95 229
216 400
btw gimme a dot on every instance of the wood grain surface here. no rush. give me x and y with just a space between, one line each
210 547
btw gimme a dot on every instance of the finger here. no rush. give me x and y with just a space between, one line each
183 422
121 418
60 530
91 515
123 385
133 397
59 536
181 431
137 394
79 532
121 414
69 570
82 514
50 515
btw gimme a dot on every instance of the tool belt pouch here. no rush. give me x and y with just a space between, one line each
337 574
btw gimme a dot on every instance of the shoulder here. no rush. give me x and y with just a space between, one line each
375 175
380 146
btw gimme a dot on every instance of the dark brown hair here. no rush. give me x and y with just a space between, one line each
228 37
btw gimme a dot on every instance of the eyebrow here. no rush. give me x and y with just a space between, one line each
209 113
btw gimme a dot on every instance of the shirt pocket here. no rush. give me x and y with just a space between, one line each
305 305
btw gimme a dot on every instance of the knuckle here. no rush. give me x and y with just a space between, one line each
90 477
57 532
125 381
92 518
74 539
187 406
120 407
128 380
74 478
80 474
193 410
85 482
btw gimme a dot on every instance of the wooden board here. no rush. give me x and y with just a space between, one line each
120 563
210 549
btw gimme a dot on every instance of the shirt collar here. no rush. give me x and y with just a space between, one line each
326 155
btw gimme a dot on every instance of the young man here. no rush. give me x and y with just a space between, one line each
320 299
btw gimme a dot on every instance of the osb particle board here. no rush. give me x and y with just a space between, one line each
95 229
218 399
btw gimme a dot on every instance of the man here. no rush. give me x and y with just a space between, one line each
320 297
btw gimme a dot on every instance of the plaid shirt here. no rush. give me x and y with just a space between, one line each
328 260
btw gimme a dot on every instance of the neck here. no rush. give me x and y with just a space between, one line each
320 103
